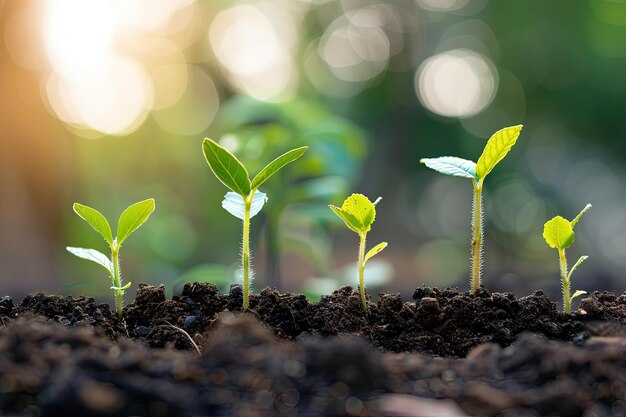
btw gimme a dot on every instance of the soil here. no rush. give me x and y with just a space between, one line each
445 353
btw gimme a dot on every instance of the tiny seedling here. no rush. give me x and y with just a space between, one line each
559 234
358 213
245 200
498 145
130 220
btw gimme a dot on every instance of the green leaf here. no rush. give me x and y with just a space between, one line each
226 167
577 293
362 209
96 220
578 262
558 233
93 256
498 145
133 217
276 165
374 251
573 222
349 220
451 165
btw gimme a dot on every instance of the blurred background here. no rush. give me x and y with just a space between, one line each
106 102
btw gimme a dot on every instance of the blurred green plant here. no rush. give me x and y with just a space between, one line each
498 146
245 200
298 217
359 213
130 220
559 234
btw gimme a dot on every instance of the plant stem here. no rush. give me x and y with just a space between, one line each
564 281
245 253
117 280
362 269
477 236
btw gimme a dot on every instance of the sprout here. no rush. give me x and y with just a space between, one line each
245 200
559 234
358 213
130 220
496 149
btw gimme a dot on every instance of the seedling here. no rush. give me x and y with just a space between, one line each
130 220
498 145
358 213
559 234
245 200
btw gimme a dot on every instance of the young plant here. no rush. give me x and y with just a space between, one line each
130 220
358 213
498 145
245 200
559 234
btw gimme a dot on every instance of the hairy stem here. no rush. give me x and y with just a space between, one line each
564 282
477 236
245 252
362 269
117 280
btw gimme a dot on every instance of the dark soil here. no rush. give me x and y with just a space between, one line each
197 354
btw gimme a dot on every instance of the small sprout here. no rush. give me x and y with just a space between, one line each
358 213
130 220
559 234
244 200
498 145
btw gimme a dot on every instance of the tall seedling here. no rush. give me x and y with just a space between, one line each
244 200
130 220
359 213
496 149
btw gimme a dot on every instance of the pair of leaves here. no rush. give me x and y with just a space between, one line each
231 172
130 220
497 147
357 212
558 232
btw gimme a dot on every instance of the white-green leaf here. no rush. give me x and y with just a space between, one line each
374 251
576 265
558 233
133 217
573 222
350 221
578 293
451 165
233 203
94 256
226 167
276 165
498 145
96 220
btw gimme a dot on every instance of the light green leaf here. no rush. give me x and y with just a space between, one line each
498 145
94 256
349 220
558 233
133 217
451 165
276 165
578 262
362 209
577 293
96 220
375 251
573 222
226 167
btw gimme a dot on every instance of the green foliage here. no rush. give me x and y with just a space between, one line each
244 201
559 234
130 220
497 147
359 213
